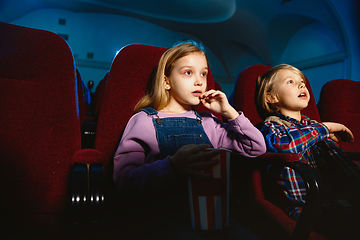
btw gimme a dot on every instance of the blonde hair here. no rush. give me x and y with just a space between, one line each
157 96
264 85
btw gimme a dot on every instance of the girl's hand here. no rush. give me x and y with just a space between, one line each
216 101
191 160
340 130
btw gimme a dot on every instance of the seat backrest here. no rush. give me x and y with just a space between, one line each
340 102
129 74
99 95
82 97
39 123
243 96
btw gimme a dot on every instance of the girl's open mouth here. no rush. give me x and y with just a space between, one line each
197 93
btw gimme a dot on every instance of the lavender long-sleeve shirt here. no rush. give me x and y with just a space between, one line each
136 167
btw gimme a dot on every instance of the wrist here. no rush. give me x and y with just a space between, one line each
231 114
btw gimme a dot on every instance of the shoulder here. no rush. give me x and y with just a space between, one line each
141 120
278 120
140 116
140 128
272 119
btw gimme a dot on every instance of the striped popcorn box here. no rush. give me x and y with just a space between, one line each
209 198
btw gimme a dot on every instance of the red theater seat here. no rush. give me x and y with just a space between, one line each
99 95
126 83
39 131
251 181
340 102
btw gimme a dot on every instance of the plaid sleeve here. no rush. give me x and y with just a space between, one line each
294 139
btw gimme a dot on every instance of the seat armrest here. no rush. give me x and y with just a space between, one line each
87 183
79 186
310 176
96 184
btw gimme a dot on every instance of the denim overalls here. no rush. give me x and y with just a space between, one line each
174 132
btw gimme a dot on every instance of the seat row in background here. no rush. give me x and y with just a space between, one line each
53 178
89 106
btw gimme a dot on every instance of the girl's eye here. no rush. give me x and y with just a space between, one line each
290 81
188 73
204 74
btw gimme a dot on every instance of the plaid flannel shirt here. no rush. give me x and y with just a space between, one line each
310 140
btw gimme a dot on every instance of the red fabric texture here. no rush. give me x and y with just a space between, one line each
262 217
82 103
99 95
340 102
88 156
39 123
127 81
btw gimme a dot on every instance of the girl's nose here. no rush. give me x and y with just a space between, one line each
199 81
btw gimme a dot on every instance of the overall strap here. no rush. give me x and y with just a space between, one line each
197 114
149 111
152 112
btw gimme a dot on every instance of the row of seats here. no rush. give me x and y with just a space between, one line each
245 90
278 224
51 177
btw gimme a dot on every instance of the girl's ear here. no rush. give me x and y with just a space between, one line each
270 98
166 83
